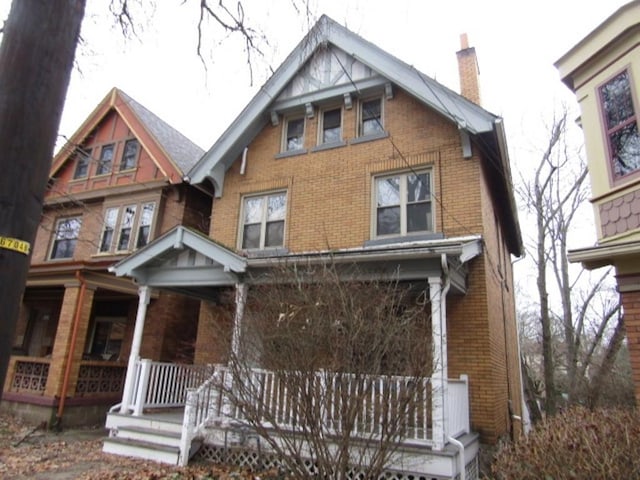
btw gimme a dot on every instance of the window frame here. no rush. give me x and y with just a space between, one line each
609 132
100 168
264 221
322 130
134 233
57 232
83 158
136 155
403 175
285 134
361 118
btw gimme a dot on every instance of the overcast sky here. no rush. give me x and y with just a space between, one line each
516 41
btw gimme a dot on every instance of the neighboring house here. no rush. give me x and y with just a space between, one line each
349 153
603 70
114 187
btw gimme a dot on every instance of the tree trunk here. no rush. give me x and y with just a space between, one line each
36 59
596 386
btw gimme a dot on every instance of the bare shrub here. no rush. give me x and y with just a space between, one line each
575 444
345 364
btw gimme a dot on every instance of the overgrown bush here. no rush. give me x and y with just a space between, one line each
576 444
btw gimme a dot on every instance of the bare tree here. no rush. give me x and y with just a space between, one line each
574 325
36 56
39 41
349 358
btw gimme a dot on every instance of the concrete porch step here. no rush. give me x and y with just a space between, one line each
129 447
168 438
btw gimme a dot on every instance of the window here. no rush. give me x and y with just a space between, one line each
82 163
331 126
105 338
403 204
294 138
129 155
110 219
133 226
106 157
144 226
65 237
263 221
371 117
621 125
126 227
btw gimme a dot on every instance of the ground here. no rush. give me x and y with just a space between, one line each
28 452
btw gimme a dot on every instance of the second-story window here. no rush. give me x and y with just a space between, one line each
106 159
129 155
65 237
331 131
83 158
403 204
620 124
370 117
294 134
127 227
263 221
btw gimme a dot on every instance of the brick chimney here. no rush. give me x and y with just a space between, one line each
468 70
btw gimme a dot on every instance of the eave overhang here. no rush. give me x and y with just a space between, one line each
603 255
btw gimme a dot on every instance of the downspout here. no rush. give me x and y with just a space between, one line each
443 309
461 466
72 347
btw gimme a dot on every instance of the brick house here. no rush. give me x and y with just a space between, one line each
348 152
114 187
603 70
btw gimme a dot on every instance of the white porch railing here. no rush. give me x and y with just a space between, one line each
165 385
211 404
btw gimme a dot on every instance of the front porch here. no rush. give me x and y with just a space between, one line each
257 410
170 420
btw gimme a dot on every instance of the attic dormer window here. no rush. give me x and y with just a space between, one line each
129 155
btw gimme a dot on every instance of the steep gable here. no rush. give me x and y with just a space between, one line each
120 143
332 63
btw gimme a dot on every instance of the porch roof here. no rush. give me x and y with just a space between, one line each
187 261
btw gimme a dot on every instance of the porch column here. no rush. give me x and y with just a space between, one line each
241 299
134 356
439 376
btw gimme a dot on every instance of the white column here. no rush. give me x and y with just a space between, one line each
134 356
439 376
241 299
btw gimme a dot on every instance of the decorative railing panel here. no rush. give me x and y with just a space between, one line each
458 407
30 375
100 379
165 385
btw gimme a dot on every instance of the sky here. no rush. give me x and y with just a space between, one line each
516 42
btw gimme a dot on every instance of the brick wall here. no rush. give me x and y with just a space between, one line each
330 206
631 306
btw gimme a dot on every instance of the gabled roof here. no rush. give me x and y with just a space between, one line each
482 125
177 151
182 258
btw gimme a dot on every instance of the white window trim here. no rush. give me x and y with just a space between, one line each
263 220
285 130
135 227
360 125
55 234
321 125
403 203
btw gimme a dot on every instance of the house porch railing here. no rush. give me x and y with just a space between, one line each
211 404
165 385
28 374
